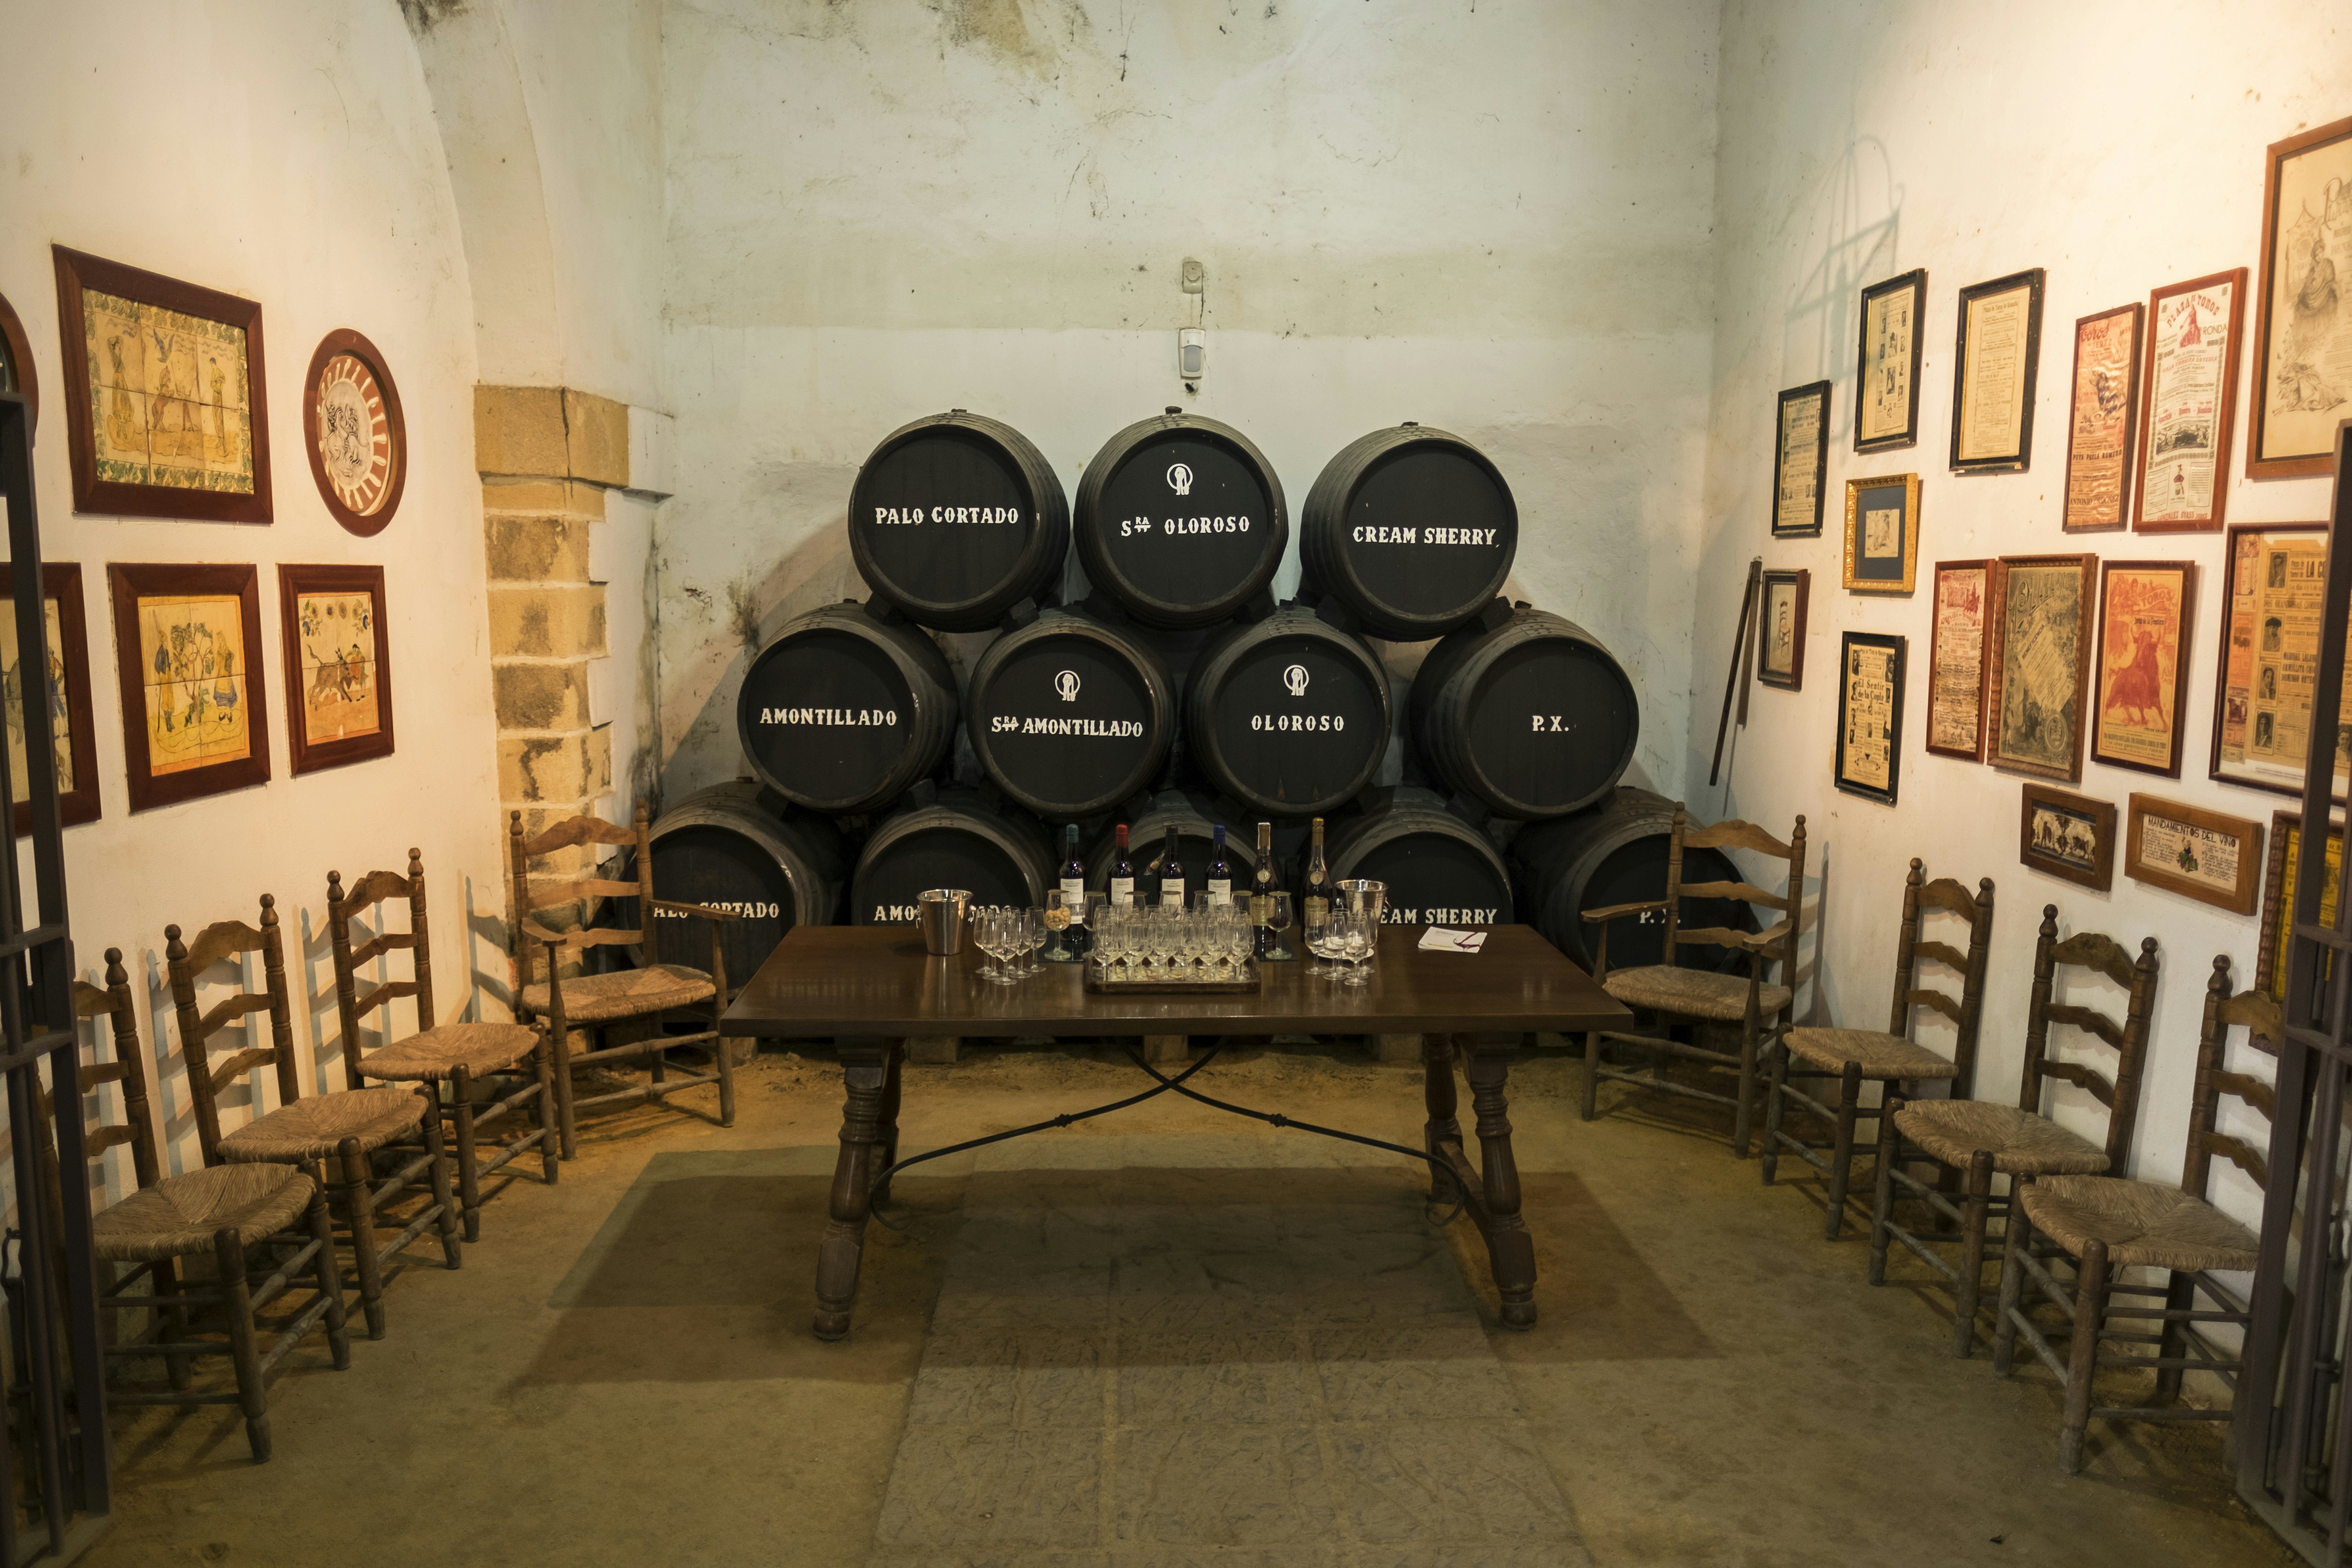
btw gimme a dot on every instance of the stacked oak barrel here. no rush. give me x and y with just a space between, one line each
1154 681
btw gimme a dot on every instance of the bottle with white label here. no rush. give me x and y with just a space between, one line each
1074 893
1170 877
1219 886
1122 871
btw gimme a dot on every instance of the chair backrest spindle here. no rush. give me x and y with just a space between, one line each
208 1079
1920 899
352 1003
2120 1094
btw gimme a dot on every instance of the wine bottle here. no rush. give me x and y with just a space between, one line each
1074 891
1171 872
1315 895
1262 886
1122 871
1219 886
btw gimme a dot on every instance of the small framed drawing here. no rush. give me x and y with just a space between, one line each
1955 659
195 711
165 410
1886 368
2068 835
338 665
2104 419
352 429
17 372
2188 396
1780 651
66 679
2205 855
2041 636
2278 896
2274 579
1998 355
2303 335
1800 462
2144 619
1869 761
1882 533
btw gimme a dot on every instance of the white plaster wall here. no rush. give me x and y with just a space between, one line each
285 151
2121 149
1493 219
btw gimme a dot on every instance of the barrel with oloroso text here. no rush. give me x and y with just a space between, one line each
846 708
1615 853
1439 870
1068 715
1288 714
737 847
1181 521
954 838
1196 819
1525 713
957 519
1412 529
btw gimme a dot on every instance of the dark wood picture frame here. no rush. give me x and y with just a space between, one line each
2246 836
2152 363
2237 555
19 350
1853 553
1973 754
366 524
293 583
1820 392
2323 459
2278 875
2129 681
1898 647
61 581
1915 279
2099 874
2125 461
77 273
2018 457
1801 583
2086 622
128 584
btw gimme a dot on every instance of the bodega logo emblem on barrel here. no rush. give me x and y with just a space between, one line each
1066 684
1295 679
1180 478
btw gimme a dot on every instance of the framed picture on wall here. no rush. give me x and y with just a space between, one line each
2144 619
2204 855
66 682
352 429
1780 651
2274 578
1882 533
1955 659
2069 836
1997 356
17 372
338 659
1887 365
2186 405
1869 760
1800 462
2104 419
166 414
187 650
2042 631
2303 324
2278 896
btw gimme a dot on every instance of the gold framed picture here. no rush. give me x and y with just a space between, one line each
2207 855
338 665
1882 533
187 648
2042 627
2278 896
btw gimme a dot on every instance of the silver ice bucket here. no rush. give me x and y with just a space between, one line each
940 913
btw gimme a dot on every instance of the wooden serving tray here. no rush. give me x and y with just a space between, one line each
1153 986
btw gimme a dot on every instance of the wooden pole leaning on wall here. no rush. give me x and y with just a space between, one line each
1733 682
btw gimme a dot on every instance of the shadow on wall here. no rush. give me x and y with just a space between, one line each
1819 324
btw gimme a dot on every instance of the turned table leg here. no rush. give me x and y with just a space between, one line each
866 1066
1509 1249
1437 1094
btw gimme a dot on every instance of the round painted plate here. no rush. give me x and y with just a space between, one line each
351 426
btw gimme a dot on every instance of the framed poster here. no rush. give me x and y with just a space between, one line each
1882 533
2100 430
2189 396
2274 580
2068 835
66 683
1800 460
195 714
1955 659
2144 619
1869 761
338 665
2278 896
2303 325
1886 368
2205 855
1780 651
352 429
2041 636
17 372
1997 355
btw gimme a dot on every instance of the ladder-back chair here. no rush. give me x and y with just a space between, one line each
594 1003
2106 1224
1980 1137
1849 1057
437 1054
1675 995
338 1137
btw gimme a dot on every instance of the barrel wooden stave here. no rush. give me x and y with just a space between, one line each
1069 715
846 708
1412 529
1615 853
1180 520
956 520
1439 870
1524 713
955 838
739 848
1288 714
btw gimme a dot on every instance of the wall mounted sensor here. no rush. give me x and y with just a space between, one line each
1192 353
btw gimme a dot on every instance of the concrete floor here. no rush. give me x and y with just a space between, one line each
622 1371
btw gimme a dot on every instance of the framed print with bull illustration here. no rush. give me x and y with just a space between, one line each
338 665
2144 618
2068 835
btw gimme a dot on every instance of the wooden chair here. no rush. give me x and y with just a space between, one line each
1893 1058
337 1137
2105 1224
230 1213
1978 1137
593 1003
1674 994
438 1054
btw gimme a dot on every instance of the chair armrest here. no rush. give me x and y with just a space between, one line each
1615 911
707 911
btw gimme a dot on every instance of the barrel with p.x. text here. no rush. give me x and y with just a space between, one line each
1412 529
1181 521
846 709
1525 713
956 520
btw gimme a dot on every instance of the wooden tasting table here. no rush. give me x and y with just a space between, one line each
870 988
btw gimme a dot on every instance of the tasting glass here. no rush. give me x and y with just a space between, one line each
988 935
1033 937
1277 919
1059 915
1323 942
1359 933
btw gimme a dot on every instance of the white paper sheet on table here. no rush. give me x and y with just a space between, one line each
1437 939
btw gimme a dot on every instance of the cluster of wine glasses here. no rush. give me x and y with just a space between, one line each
1007 934
1345 942
1166 941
